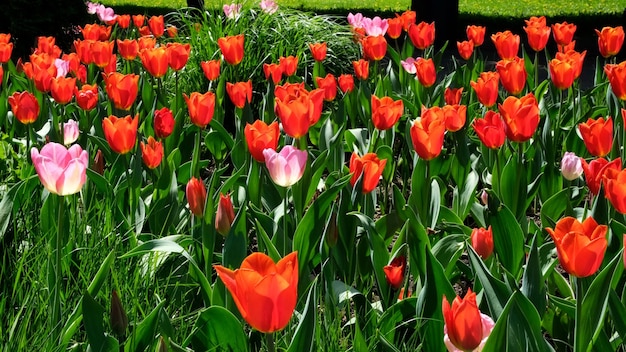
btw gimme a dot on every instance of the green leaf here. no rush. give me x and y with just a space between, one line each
217 329
508 239
304 337
448 250
399 318
553 208
462 198
496 292
93 313
145 333
533 284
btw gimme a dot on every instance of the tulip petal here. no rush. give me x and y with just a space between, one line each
72 179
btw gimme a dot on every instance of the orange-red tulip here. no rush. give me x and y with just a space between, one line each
196 196
155 61
177 55
408 18
146 42
240 93
289 65
128 49
617 77
139 20
490 130
386 112
426 73
465 327
368 168
482 241
96 32
507 44
123 21
562 73
452 96
476 34
466 49
163 122
273 71
361 69
512 74
329 85
83 50
580 246
47 45
265 293
422 35
232 48
201 108
537 35
610 40
122 89
318 51
25 107
427 133
121 133
101 52
575 58
486 88
374 47
260 136
594 172
225 215
597 135
394 272
62 89
521 116
157 26
211 69
152 153
395 27
172 31
6 49
294 115
455 116
563 32
614 181
346 83
87 96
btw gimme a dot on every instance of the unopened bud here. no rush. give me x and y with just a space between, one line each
119 320
571 167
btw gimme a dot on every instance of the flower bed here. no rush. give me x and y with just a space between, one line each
228 180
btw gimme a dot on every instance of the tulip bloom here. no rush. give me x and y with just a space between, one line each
490 130
597 135
123 21
177 55
151 153
201 108
571 166
346 83
615 188
374 48
466 49
580 246
482 241
146 43
455 116
329 85
62 89
394 272
163 122
486 88
507 44
294 115
289 65
240 93
368 168
232 48
512 75
211 69
562 73
155 61
101 52
260 136
422 35
318 51
563 32
394 27
537 32
476 34
225 215
386 112
466 328
128 49
617 77
286 167
521 116
408 18
87 96
70 132
61 171
426 73
427 133
25 107
6 49
138 20
157 26
265 293
610 40
273 71
452 96
594 172
121 133
361 69
122 89
196 196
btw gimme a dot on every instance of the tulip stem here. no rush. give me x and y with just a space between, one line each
131 201
580 290
55 277
269 338
285 207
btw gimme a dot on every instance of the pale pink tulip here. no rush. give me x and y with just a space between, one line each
63 67
70 132
356 21
269 6
285 168
232 11
409 65
61 171
375 26
571 167
105 14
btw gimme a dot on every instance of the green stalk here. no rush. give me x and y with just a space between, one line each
55 276
131 201
269 338
285 232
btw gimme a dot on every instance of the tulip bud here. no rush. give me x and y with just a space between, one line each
484 197
225 215
119 320
482 241
70 132
571 167
98 163
162 345
196 196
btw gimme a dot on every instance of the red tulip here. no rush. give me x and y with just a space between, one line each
482 241
163 122
62 89
157 26
122 89
361 69
87 96
562 73
155 61
537 32
394 272
318 51
386 112
617 78
512 75
594 172
211 69
597 135
465 327
507 44
368 168
422 35
25 107
466 49
232 48
201 108
455 116
128 49
151 153
486 88
121 133
491 130
427 133
240 93
426 73
395 27
177 55
289 65
563 32
196 196
329 85
476 34
610 40
521 116
225 215
346 83
260 136
452 96
374 47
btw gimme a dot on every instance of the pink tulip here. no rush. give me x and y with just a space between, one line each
70 132
286 168
355 20
269 6
571 167
232 11
375 26
61 171
409 65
